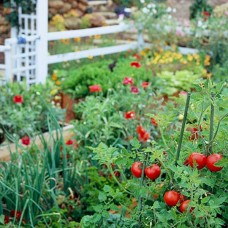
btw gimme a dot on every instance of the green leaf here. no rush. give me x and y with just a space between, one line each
222 162
221 200
205 199
135 143
102 196
107 188
156 205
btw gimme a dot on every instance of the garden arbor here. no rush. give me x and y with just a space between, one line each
26 52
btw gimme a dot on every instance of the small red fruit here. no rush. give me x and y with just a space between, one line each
69 142
197 158
140 130
95 88
184 206
153 121
153 172
18 99
171 198
211 160
25 140
135 64
144 137
129 115
136 169
182 198
6 219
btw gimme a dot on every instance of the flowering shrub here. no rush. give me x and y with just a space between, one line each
106 73
22 112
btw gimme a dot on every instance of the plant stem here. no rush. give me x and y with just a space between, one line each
183 126
216 132
115 179
163 138
209 151
167 171
141 184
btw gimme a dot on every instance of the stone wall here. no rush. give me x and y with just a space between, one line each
4 25
72 14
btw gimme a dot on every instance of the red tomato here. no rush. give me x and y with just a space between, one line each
153 172
144 137
136 169
182 198
211 160
18 99
153 121
184 206
199 159
129 115
171 198
6 219
25 140
140 130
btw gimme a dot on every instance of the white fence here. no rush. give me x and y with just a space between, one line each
27 55
92 52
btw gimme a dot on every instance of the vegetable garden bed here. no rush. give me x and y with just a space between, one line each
7 150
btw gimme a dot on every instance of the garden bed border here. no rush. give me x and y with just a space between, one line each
10 148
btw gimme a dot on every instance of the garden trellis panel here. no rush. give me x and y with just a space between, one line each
29 48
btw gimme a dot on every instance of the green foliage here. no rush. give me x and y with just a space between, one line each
198 7
205 189
210 36
32 183
77 81
173 83
29 117
26 6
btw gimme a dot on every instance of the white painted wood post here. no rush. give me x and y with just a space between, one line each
8 61
140 39
42 43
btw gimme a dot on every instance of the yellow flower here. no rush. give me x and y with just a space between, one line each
143 53
54 77
97 36
207 60
53 92
209 75
90 57
77 39
65 41
190 58
57 82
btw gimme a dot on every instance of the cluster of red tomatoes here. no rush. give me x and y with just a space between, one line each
143 134
172 198
201 160
152 172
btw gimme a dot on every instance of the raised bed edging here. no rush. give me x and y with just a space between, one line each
6 150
